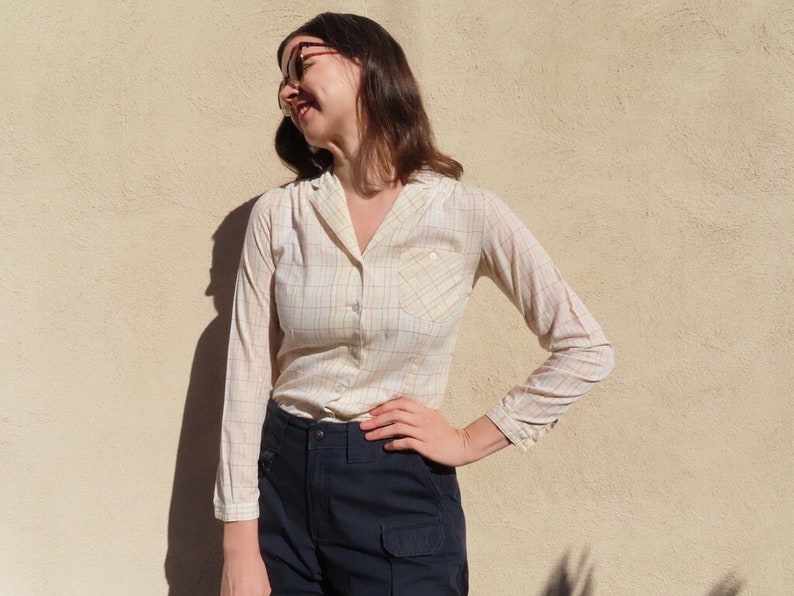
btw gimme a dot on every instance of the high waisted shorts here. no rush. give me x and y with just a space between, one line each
339 515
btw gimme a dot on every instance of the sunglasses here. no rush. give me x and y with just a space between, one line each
294 74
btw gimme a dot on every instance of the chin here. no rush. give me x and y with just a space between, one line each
315 141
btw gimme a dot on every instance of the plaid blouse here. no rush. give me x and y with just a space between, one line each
330 332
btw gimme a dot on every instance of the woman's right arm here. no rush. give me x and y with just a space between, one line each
244 572
253 340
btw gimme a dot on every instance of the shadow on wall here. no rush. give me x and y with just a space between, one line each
566 582
195 558
578 581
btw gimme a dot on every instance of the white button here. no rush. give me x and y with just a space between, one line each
354 352
339 388
432 256
356 307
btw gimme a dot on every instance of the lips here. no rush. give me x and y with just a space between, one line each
301 108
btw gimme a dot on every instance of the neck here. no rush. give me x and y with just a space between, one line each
360 181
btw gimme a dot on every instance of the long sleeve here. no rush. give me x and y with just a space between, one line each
581 355
249 372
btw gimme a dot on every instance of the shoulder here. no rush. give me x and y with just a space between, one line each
284 198
455 194
496 216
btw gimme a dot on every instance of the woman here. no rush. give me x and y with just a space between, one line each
352 285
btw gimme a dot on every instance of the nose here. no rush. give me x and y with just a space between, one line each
287 93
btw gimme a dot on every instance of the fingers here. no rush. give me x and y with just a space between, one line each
398 429
390 418
397 404
397 410
405 444
400 417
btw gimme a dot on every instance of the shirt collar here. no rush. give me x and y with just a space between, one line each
424 177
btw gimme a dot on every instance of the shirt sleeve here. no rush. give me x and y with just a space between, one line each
252 339
581 355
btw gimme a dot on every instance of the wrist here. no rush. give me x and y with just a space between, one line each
482 438
241 537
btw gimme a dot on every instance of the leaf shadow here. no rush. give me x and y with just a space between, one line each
577 579
565 581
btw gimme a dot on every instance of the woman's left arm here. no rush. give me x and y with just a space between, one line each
580 356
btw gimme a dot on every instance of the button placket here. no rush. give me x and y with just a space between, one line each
355 352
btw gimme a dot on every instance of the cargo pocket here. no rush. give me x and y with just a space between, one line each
430 282
415 538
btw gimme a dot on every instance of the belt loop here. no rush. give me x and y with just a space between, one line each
359 450
273 428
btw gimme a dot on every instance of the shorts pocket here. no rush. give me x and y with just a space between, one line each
413 538
431 473
430 282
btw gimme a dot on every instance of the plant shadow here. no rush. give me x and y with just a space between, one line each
565 581
194 559
577 579
730 585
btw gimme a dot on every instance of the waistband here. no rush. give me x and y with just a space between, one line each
280 425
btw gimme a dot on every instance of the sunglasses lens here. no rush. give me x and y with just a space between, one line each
295 66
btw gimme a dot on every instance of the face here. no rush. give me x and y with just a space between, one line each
323 103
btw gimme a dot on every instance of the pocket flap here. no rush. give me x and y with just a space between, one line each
413 538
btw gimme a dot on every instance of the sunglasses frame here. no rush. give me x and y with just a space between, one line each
294 74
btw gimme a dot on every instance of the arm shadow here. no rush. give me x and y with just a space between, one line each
194 559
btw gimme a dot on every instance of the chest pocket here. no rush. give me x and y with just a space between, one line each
430 282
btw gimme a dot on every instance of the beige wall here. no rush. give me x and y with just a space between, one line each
649 145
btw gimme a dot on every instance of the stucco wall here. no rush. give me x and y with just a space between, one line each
649 145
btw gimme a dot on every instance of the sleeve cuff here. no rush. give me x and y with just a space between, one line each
238 512
521 434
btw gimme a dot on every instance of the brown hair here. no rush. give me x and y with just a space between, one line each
396 137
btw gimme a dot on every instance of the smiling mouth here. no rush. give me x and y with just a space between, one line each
302 108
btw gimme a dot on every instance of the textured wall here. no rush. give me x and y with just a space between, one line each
649 145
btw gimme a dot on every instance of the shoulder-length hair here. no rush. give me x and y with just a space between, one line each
396 137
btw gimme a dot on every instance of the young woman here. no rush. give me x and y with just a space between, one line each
337 472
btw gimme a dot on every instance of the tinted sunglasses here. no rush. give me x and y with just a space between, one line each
294 74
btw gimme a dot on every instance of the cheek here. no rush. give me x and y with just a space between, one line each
343 97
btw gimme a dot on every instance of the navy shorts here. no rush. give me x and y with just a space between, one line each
339 515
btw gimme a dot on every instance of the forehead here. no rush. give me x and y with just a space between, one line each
291 45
